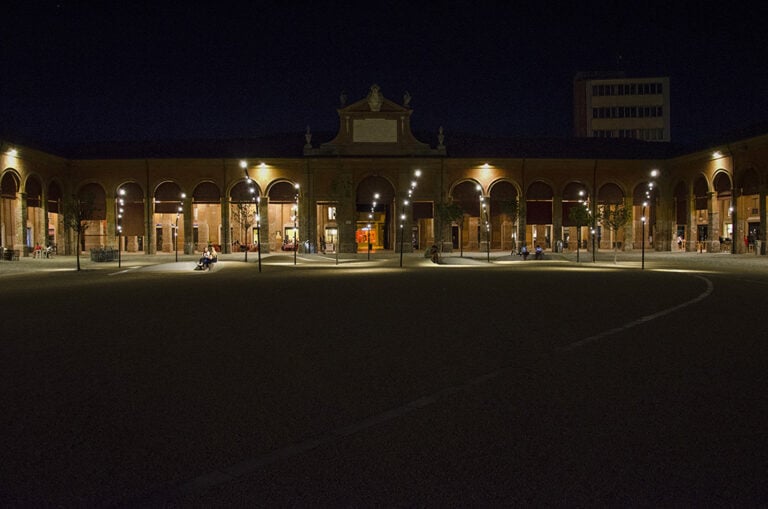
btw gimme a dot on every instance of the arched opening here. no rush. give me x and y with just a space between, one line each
374 203
168 217
95 236
132 220
538 214
701 212
505 209
575 208
723 220
206 215
244 198
467 196
284 215
9 189
680 204
35 234
610 196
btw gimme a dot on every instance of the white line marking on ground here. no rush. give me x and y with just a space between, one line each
249 466
642 320
129 269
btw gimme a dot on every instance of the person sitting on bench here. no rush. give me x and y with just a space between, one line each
204 261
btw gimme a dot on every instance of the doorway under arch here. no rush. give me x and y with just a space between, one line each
374 204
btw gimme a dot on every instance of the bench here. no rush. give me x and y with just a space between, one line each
207 264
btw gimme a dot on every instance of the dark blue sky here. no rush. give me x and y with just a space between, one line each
159 70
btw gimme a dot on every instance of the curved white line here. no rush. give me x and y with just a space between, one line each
249 466
642 320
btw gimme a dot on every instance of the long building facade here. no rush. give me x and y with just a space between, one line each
375 185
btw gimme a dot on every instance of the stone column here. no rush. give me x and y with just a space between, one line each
714 224
226 240
188 225
149 232
522 225
264 222
20 223
629 228
111 220
20 226
763 215
557 220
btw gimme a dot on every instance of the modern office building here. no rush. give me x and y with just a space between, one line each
611 105
374 181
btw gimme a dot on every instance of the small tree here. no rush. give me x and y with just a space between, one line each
243 216
614 218
448 213
78 211
580 216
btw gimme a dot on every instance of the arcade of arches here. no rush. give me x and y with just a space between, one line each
360 191
500 210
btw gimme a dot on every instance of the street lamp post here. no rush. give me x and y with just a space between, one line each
176 231
582 203
402 230
258 229
484 218
372 218
646 206
417 174
642 241
119 224
257 216
295 223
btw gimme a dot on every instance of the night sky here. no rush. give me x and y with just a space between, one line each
92 71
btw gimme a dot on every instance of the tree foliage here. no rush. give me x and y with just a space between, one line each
511 208
448 213
243 216
580 215
615 217
78 211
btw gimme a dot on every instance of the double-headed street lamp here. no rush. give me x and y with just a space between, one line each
416 174
120 203
176 231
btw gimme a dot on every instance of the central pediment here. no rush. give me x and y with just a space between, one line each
375 126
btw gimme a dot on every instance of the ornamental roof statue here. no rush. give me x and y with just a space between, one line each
375 99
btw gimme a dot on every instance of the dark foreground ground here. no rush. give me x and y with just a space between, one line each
364 384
